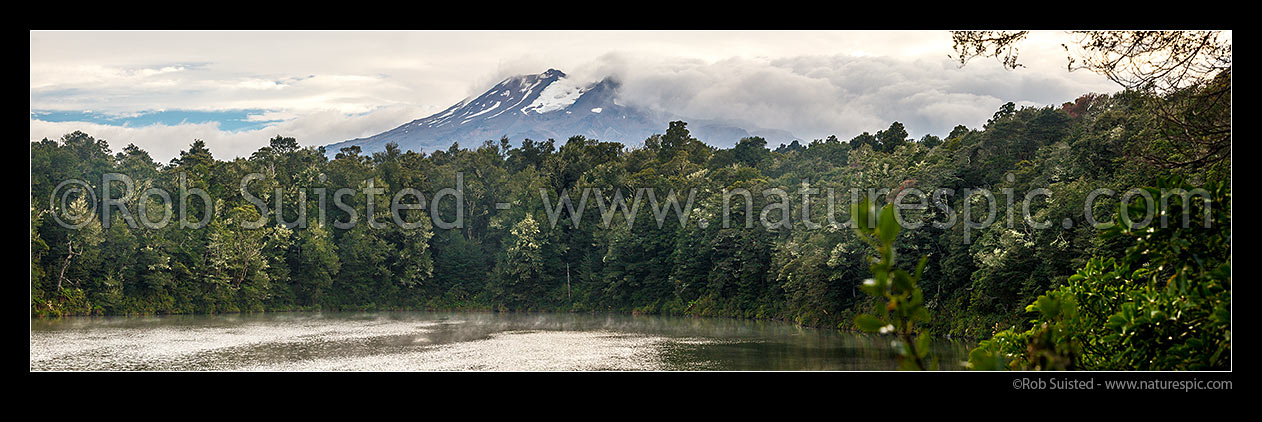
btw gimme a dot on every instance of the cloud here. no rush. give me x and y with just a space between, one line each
324 86
117 90
814 96
164 142
46 76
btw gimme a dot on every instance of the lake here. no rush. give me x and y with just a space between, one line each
455 341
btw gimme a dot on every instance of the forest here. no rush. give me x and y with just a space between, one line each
1073 295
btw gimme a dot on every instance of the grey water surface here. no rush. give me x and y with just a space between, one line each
455 341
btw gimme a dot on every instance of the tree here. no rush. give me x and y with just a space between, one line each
197 156
676 137
794 146
891 138
80 240
1164 304
315 262
530 154
750 151
413 262
521 268
1185 76
283 145
1005 110
930 141
236 250
364 276
863 139
677 141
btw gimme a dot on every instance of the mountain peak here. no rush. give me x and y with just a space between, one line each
547 75
552 72
540 106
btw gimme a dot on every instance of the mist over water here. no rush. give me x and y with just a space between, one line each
463 341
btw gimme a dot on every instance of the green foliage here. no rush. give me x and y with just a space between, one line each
315 263
520 271
1164 304
1129 299
905 305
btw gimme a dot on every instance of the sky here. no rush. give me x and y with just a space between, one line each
235 90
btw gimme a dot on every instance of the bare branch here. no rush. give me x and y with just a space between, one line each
1001 45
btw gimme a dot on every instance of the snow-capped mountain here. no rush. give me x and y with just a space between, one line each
548 106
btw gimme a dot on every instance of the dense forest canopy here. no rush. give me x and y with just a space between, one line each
278 244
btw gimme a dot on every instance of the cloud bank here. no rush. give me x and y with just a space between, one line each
329 87
843 95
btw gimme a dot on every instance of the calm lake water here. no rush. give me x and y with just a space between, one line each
435 341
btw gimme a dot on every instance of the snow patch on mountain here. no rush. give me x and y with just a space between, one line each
556 96
497 104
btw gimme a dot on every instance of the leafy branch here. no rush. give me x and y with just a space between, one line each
905 304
